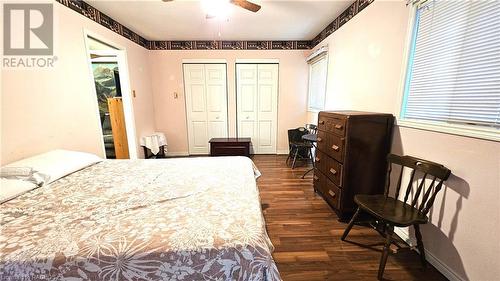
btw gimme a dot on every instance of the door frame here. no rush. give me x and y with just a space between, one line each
203 61
257 61
128 109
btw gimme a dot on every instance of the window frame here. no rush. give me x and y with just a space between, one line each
318 58
474 131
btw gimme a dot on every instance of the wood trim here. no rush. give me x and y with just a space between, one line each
117 119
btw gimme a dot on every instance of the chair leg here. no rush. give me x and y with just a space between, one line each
295 157
420 245
385 253
351 224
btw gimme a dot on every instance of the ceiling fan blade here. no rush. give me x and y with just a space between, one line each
247 5
95 56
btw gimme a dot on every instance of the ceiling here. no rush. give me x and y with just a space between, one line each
185 19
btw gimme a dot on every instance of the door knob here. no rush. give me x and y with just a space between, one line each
217 117
248 117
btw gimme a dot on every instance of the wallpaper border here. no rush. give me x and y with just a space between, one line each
99 17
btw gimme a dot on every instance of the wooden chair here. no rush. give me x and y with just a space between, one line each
390 212
311 128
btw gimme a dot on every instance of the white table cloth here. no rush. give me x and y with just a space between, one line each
154 142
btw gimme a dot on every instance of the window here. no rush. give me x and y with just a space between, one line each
318 65
453 75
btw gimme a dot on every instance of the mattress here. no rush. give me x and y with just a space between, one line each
162 219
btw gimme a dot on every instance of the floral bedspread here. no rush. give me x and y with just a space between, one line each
170 219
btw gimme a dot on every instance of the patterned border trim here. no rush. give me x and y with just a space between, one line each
92 13
344 17
230 45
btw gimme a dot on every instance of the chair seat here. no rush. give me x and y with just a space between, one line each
390 210
301 144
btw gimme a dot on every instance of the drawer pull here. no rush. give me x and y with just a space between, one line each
331 193
332 170
319 139
316 178
335 147
321 122
338 127
317 159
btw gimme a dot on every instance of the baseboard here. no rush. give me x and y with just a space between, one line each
282 151
177 154
438 264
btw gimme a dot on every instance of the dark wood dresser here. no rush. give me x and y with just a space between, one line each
351 156
230 147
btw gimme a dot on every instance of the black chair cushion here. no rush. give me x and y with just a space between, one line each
390 210
301 144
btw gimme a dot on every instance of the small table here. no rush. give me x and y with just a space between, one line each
312 138
230 147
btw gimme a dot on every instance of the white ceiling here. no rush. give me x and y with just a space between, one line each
185 20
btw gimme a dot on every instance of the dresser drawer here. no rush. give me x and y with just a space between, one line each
328 166
327 188
335 147
318 180
332 125
331 144
322 140
332 193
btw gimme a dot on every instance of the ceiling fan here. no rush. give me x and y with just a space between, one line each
247 5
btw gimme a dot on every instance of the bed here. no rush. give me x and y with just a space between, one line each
164 219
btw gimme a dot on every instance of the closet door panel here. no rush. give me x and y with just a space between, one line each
196 110
247 102
216 100
206 104
257 97
268 105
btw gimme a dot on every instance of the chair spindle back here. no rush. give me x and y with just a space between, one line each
429 170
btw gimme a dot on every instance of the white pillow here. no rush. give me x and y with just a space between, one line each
11 188
58 163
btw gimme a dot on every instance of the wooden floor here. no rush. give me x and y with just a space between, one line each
306 233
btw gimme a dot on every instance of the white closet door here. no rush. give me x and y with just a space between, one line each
267 107
257 96
246 100
206 104
215 77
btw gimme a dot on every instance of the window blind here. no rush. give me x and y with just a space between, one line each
317 83
454 67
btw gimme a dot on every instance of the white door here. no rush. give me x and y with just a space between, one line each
206 104
257 105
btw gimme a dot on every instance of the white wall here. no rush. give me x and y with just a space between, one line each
170 113
56 108
364 73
